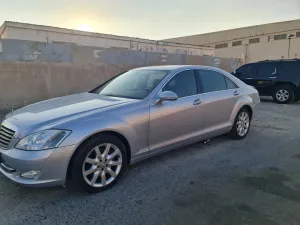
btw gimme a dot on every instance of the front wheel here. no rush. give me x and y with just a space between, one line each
99 163
241 125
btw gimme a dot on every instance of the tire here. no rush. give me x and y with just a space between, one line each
236 132
90 157
283 94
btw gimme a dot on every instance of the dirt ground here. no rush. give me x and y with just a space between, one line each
252 181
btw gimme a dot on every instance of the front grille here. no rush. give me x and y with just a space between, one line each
6 135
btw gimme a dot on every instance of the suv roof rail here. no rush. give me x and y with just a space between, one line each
280 60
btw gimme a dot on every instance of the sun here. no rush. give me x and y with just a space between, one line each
85 27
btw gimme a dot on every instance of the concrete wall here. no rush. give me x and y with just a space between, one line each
35 71
30 32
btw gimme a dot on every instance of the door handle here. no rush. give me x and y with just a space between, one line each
249 78
235 93
197 102
272 77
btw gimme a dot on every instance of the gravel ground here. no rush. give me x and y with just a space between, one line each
252 181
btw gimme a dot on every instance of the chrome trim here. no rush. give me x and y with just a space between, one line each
7 168
11 127
7 133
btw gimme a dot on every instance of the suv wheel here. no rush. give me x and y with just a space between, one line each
99 163
283 94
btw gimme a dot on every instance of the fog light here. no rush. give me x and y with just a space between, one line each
30 175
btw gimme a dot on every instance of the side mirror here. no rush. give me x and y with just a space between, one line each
167 96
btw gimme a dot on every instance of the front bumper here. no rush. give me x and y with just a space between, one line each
52 165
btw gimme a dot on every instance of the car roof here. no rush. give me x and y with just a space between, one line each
176 67
279 60
275 61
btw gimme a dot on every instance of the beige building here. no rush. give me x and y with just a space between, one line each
23 31
255 43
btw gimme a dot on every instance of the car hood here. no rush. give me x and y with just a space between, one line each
60 109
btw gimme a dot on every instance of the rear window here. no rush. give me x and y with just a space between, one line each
288 69
230 84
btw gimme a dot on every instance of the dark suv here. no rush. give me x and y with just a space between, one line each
277 78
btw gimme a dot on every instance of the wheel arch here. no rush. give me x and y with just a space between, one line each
114 133
279 83
250 110
243 102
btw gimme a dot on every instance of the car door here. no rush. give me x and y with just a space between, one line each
266 76
219 96
173 122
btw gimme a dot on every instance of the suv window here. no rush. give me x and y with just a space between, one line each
288 69
183 84
245 71
266 70
211 81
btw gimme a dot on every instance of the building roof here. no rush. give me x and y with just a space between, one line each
90 34
239 33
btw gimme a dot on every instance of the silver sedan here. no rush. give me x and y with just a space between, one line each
90 138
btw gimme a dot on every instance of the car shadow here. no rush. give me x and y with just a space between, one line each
270 100
70 188
177 152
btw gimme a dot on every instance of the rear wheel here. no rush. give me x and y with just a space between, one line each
283 94
241 125
99 163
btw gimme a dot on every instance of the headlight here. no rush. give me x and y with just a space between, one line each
43 140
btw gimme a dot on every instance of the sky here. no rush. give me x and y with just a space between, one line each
151 19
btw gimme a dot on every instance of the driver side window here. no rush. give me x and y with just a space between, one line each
183 84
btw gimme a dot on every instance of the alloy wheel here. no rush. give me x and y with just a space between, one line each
282 95
243 123
102 165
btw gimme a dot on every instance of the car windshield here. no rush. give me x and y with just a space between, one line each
135 84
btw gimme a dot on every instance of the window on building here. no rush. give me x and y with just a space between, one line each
224 45
298 34
254 40
236 43
280 37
